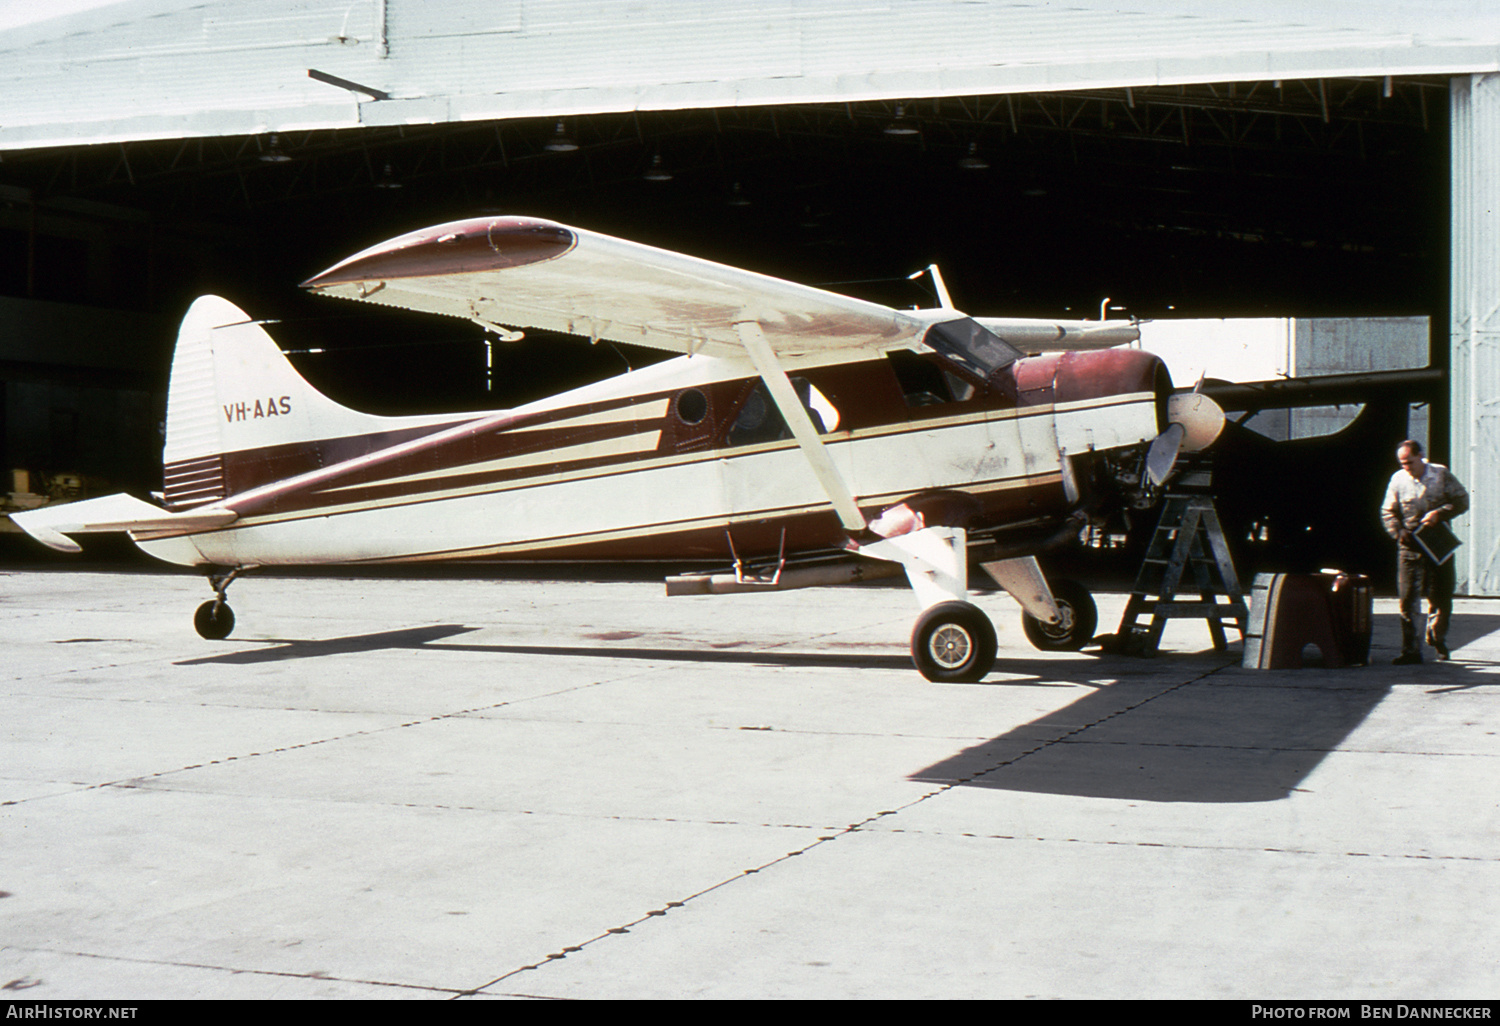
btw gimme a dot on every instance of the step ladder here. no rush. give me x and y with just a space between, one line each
1188 538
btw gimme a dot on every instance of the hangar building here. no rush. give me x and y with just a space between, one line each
1282 158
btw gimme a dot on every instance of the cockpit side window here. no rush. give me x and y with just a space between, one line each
924 383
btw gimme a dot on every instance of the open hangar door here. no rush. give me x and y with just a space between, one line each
1316 198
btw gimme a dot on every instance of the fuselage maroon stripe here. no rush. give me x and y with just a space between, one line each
592 452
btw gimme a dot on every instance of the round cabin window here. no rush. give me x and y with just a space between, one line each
692 406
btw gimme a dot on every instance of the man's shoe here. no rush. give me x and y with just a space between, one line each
1442 651
1407 659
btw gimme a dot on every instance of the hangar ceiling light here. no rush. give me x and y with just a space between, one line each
657 172
972 161
273 153
902 125
561 141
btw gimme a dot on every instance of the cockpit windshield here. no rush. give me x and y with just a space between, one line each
970 345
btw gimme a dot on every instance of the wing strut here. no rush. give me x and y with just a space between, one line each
792 411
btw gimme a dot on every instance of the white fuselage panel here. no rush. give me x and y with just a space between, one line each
978 453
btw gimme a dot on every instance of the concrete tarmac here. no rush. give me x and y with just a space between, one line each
481 789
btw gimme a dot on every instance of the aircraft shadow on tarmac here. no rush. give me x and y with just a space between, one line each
288 648
1232 738
422 637
1203 742
1215 739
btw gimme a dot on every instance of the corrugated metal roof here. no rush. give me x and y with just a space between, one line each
174 68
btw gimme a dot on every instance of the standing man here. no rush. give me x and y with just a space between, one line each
1421 494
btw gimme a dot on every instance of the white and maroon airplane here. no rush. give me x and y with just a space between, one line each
807 437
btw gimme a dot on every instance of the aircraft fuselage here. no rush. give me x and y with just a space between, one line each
660 463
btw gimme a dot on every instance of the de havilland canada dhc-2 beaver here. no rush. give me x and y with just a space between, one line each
801 437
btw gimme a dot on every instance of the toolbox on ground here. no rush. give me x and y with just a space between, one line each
1330 610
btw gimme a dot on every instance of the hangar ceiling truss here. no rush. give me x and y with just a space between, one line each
1336 116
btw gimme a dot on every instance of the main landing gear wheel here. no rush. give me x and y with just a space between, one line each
214 620
1075 627
953 642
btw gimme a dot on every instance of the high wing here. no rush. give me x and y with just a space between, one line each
530 273
1037 335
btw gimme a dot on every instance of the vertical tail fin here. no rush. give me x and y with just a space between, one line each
232 391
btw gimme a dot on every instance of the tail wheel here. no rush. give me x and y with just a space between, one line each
214 620
953 642
1077 618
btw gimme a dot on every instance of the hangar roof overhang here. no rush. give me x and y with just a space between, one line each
1297 195
174 69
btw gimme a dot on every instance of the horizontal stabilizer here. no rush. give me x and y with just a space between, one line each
51 525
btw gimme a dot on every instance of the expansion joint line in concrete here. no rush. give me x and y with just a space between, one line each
235 970
139 781
852 828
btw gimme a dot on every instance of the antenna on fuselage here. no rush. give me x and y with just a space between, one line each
945 301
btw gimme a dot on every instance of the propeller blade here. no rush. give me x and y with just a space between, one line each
1163 453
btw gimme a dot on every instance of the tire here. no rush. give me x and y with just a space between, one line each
1076 628
211 626
953 642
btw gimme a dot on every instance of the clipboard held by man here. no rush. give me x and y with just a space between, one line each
1437 542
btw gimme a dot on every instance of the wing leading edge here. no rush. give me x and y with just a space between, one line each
530 273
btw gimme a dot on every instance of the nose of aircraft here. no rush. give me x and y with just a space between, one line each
1101 381
1186 422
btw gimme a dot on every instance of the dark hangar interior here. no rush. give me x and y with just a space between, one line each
1325 198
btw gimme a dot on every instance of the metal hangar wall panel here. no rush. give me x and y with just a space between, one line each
151 69
1474 381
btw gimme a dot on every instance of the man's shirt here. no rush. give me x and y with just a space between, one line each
1409 499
